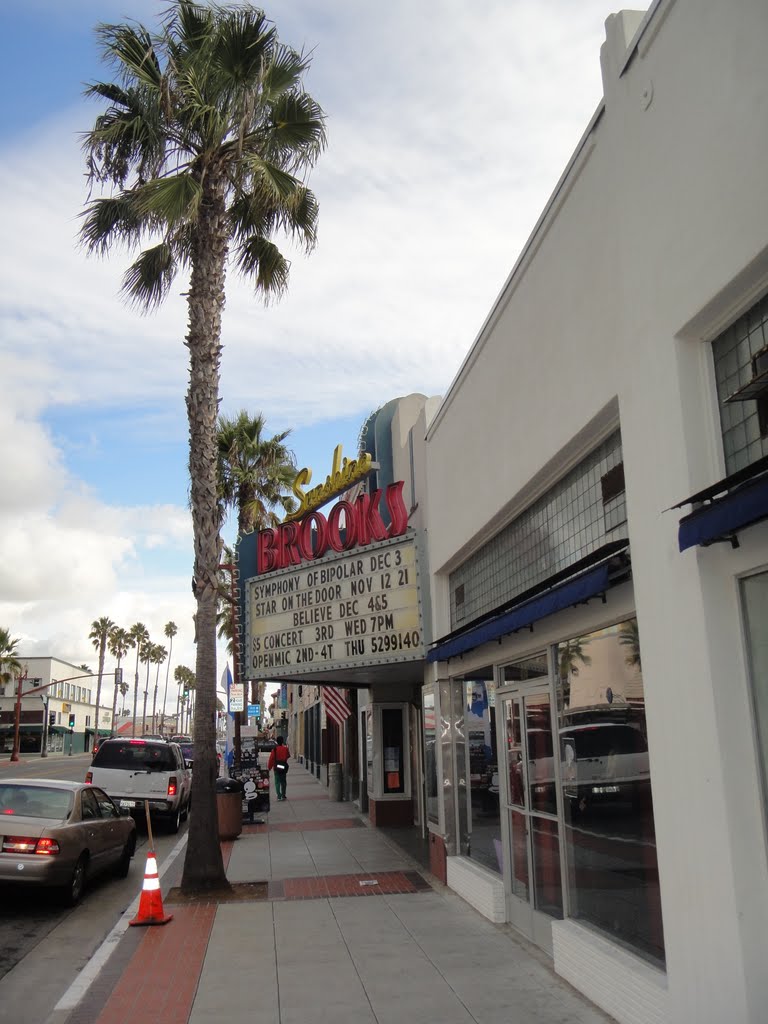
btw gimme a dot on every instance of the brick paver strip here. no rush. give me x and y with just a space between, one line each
325 886
161 980
317 825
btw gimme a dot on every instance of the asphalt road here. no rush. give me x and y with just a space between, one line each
43 946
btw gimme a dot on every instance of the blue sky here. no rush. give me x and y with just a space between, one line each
449 124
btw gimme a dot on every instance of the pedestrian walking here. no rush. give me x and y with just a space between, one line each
278 763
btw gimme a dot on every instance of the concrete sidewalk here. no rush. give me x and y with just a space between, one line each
330 921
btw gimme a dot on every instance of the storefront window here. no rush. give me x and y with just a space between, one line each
610 840
754 592
483 770
392 743
430 756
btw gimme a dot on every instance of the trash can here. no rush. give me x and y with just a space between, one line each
334 781
229 805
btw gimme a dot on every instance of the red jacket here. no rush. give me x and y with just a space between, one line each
280 753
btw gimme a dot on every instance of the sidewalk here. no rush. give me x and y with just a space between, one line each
329 923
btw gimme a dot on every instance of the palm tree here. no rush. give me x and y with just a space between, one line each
171 629
118 644
255 472
10 666
146 657
137 637
157 657
99 637
569 654
206 134
629 637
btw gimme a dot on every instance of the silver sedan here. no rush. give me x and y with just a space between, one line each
58 834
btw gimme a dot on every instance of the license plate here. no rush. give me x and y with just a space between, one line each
127 803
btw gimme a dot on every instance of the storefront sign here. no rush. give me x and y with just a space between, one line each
343 474
348 526
346 611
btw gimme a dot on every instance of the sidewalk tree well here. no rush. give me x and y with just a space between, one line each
200 150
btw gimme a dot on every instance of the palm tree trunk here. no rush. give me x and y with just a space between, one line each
146 691
135 692
114 699
167 673
203 864
154 699
102 647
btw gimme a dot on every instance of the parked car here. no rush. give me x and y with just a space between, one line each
133 771
605 763
188 750
60 834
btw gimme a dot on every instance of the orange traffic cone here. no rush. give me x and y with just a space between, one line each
151 902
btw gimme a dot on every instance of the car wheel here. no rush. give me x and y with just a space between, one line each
124 864
174 822
73 891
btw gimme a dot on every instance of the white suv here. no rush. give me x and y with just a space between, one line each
134 770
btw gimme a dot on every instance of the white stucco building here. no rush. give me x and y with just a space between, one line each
619 374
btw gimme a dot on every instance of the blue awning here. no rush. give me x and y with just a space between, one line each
723 516
571 592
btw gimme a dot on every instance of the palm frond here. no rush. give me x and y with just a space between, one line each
298 132
132 49
148 280
283 73
260 259
169 200
244 43
108 220
273 179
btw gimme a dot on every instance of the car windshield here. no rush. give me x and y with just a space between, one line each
135 755
35 801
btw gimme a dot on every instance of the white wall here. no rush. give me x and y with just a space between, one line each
656 240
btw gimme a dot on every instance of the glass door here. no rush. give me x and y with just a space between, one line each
535 884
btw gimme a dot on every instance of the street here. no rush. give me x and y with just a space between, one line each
42 945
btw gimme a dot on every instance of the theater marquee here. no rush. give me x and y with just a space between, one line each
345 611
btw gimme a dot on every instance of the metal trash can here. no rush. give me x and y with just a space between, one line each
334 781
229 806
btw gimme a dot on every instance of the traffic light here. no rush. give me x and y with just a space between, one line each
51 719
118 676
72 720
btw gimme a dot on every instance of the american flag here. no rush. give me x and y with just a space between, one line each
336 706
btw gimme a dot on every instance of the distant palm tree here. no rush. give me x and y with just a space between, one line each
118 644
84 668
255 472
99 637
158 656
171 629
10 666
138 635
205 135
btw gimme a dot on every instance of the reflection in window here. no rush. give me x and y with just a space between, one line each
430 757
480 725
610 839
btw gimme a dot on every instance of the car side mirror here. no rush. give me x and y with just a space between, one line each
187 764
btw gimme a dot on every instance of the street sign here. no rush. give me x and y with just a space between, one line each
254 710
236 697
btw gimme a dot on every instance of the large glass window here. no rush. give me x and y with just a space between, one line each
609 834
741 372
430 756
483 772
754 592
